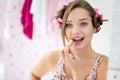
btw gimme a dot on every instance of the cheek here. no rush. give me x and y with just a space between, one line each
67 33
89 32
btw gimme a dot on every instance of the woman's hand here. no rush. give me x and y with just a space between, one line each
70 58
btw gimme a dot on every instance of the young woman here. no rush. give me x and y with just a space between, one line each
77 60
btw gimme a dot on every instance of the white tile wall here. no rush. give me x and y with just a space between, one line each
114 64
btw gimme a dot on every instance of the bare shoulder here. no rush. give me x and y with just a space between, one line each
102 69
51 58
46 63
105 60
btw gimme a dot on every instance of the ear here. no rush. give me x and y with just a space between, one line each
94 30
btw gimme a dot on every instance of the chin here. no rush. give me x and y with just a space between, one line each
78 47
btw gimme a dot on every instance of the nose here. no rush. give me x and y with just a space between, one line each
76 30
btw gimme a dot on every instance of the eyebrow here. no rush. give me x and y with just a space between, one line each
83 19
79 19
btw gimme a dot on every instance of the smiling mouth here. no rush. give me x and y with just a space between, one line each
78 39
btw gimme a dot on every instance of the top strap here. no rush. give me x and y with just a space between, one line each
92 75
58 73
59 66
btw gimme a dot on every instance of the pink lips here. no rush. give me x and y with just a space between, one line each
77 40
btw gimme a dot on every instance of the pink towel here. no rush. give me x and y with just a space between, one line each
26 19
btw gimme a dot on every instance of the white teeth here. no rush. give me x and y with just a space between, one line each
77 38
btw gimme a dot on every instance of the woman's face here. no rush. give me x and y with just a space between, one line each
79 28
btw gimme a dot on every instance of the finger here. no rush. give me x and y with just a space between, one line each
70 57
70 43
75 56
68 46
67 57
67 51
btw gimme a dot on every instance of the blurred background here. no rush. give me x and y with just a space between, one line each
20 51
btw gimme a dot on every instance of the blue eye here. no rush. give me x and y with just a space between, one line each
84 24
68 25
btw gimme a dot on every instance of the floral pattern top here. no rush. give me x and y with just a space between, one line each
59 74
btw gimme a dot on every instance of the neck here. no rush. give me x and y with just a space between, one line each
85 52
